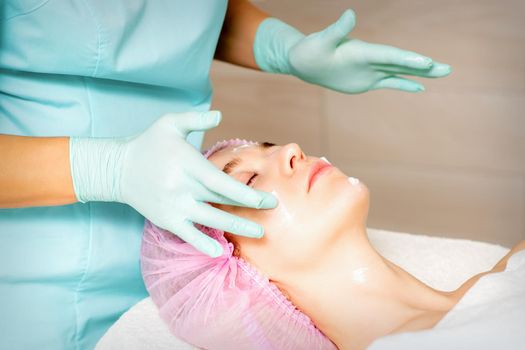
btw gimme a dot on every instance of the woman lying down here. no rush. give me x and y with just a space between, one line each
313 281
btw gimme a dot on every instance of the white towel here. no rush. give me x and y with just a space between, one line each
442 263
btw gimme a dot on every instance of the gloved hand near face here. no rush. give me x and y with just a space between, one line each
331 59
166 179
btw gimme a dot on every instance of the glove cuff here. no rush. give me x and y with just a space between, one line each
272 43
96 166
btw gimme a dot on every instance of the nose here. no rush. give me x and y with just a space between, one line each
291 156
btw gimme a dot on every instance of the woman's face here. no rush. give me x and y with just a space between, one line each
307 221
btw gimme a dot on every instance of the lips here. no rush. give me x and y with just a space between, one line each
314 170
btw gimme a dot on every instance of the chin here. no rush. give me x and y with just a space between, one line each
349 203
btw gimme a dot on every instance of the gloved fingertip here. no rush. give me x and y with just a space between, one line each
214 250
441 69
214 117
218 251
420 88
268 202
261 233
347 21
413 88
341 28
350 14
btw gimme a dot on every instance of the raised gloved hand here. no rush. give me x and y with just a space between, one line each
166 179
331 59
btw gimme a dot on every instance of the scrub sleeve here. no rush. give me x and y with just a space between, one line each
89 68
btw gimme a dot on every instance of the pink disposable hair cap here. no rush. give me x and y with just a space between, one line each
223 302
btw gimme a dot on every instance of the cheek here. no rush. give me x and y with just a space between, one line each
258 216
300 228
281 248
311 225
292 236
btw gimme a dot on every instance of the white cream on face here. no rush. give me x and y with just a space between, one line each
287 217
353 181
238 148
360 275
326 160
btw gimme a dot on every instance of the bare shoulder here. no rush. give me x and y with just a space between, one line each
499 267
502 264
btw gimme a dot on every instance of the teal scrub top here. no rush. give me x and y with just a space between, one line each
89 68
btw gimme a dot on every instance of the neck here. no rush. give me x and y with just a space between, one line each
363 295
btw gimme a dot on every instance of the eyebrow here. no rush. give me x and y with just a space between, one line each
232 164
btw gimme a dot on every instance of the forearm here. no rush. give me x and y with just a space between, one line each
35 171
238 34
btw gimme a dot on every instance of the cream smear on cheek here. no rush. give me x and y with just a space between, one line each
285 215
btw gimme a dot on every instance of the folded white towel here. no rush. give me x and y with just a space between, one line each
442 263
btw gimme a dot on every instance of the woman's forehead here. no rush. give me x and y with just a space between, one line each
235 153
226 154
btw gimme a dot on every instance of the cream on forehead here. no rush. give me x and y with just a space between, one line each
238 148
230 150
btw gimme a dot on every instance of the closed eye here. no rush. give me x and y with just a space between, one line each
251 180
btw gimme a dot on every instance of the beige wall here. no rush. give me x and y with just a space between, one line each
449 161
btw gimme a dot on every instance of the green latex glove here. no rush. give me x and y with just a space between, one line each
331 59
166 179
